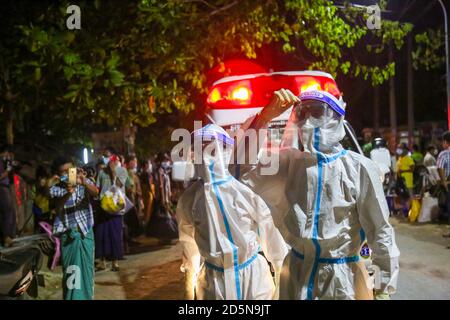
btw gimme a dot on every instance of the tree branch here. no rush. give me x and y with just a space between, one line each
228 6
202 1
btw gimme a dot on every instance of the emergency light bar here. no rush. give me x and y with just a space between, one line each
255 90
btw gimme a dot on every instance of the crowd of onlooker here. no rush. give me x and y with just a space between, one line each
146 185
417 184
100 210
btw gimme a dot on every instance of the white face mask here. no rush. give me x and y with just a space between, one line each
165 164
435 152
399 151
328 136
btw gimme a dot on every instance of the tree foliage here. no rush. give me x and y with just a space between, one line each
133 61
430 45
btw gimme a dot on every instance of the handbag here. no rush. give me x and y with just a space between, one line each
415 210
114 201
429 210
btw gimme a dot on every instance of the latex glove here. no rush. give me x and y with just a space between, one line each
189 285
281 100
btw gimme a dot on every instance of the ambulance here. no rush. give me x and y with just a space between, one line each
233 99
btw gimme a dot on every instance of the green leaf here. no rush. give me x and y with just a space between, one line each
97 72
37 74
113 61
284 36
287 47
71 58
345 67
84 69
116 77
73 87
70 95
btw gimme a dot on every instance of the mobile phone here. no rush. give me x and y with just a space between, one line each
73 176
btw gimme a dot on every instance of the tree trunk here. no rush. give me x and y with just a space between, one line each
376 108
130 137
9 125
410 85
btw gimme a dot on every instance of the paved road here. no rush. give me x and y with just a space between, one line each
424 261
152 271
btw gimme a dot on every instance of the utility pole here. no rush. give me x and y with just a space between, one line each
410 84
447 62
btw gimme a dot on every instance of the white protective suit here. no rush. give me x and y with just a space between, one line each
224 225
325 200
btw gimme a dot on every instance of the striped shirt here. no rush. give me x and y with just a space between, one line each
81 215
443 161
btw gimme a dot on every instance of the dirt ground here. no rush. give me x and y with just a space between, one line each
154 284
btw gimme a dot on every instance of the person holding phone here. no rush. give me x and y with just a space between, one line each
74 224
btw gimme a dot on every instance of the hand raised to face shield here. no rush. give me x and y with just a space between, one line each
281 100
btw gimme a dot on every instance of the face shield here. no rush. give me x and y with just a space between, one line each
317 113
208 156
316 123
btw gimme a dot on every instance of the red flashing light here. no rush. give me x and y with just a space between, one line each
257 92
214 96
332 88
229 96
310 85
241 95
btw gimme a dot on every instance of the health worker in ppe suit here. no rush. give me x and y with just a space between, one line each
223 227
325 200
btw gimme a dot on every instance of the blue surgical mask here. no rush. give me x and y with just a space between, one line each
64 178
106 160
